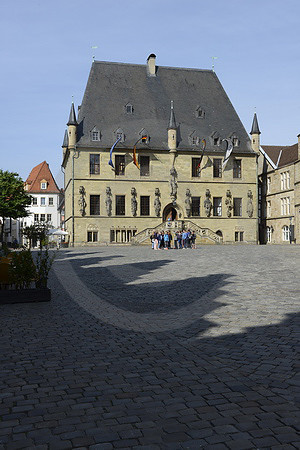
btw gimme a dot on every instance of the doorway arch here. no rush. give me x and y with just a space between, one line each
170 212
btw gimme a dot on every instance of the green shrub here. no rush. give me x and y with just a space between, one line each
44 261
22 269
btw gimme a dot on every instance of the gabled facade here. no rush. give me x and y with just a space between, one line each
157 147
279 186
45 193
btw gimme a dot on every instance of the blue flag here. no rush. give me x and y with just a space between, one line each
111 150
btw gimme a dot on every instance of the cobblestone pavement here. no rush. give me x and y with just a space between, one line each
143 349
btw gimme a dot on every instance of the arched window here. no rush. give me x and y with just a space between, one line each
286 233
219 233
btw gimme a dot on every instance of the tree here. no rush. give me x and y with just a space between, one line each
37 232
13 198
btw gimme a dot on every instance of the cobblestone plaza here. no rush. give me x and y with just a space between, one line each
144 349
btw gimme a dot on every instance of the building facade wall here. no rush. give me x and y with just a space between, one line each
279 204
46 209
159 176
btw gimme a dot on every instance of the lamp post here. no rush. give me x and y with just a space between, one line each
291 229
74 155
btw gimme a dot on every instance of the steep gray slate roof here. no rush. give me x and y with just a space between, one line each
111 86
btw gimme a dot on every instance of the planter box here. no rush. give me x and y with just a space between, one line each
24 295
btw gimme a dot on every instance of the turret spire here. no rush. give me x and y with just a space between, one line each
72 117
172 133
172 123
66 140
255 127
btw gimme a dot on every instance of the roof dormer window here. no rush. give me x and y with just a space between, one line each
216 138
194 139
95 134
119 133
144 136
43 184
129 108
235 140
200 113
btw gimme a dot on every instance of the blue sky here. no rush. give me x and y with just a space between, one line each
46 56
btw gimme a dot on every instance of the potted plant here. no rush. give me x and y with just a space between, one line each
28 277
26 273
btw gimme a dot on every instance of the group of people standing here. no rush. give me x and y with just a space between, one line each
182 239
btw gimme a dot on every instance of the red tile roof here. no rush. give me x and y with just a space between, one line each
40 173
286 154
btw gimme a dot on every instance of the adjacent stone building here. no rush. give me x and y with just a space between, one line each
157 148
279 188
46 197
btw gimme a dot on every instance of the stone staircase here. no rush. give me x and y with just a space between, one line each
205 234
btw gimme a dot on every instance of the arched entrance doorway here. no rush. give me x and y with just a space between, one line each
170 213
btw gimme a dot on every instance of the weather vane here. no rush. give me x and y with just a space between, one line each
213 66
94 47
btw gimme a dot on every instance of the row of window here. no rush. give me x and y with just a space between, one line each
286 233
145 206
285 181
125 235
285 203
144 162
42 217
43 201
120 236
95 134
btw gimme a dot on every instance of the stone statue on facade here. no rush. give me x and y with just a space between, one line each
250 208
228 202
81 201
133 201
207 203
108 201
173 185
157 204
188 202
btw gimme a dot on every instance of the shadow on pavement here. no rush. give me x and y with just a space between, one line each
68 380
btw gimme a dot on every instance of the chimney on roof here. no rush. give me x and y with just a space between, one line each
151 65
298 146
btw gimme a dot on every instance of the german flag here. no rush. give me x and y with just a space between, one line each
135 161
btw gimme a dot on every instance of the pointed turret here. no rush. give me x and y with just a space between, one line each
255 132
172 130
172 122
255 127
72 117
72 128
66 140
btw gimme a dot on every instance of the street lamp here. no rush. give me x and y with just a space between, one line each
75 155
291 229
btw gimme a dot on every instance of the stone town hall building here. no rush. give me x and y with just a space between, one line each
148 152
